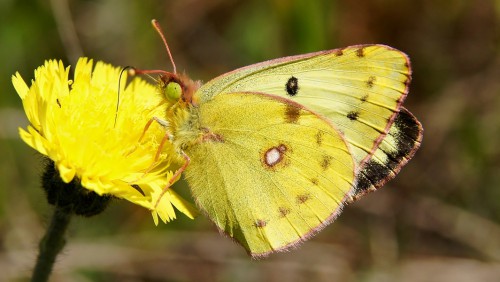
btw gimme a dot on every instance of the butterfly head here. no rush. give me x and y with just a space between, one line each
178 88
175 87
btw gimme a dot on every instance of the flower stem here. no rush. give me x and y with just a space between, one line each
51 244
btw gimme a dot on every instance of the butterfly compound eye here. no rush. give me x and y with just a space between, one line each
173 91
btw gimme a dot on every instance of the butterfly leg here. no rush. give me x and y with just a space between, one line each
148 124
164 140
174 178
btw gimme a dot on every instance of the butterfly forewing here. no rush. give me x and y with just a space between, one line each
359 89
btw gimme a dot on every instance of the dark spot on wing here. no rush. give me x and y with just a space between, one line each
58 102
326 162
303 198
292 86
364 98
352 115
315 181
283 211
292 113
371 81
319 138
260 223
339 52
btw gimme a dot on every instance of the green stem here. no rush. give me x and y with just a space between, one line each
51 244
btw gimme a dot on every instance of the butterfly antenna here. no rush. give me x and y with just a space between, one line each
157 26
118 100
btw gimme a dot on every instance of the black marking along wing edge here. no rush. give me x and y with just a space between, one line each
373 174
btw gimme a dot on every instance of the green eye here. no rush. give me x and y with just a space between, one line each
173 91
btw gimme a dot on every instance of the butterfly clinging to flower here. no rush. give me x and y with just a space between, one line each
273 151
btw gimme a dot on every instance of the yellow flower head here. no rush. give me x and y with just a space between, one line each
77 125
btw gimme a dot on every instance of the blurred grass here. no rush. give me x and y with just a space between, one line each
439 220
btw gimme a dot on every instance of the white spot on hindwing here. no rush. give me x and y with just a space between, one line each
273 156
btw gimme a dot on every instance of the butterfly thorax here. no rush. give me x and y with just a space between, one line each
182 111
184 125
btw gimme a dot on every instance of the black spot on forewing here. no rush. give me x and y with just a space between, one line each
407 133
315 181
339 52
58 102
364 98
371 81
292 113
292 86
352 115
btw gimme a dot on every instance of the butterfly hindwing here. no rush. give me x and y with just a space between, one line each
268 171
359 89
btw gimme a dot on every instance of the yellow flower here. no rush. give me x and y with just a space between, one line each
76 124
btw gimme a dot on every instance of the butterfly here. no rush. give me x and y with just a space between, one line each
274 151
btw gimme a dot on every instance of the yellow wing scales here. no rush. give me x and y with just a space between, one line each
267 171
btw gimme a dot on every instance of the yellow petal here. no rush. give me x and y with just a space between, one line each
20 85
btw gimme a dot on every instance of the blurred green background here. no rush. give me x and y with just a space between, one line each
439 220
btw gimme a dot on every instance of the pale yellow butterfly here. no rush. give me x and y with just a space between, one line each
275 150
